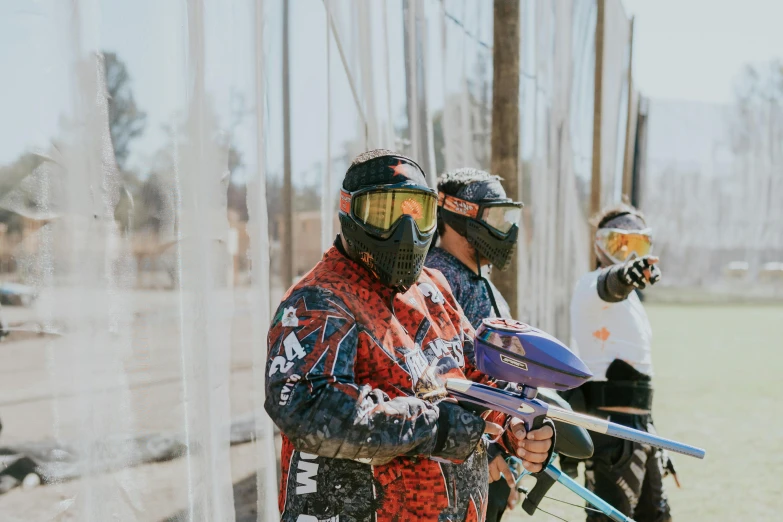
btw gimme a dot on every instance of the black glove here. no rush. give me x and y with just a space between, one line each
616 282
459 432
632 272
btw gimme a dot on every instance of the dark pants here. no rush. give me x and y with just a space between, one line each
497 499
628 475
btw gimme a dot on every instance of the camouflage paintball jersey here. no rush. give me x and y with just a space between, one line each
351 371
468 289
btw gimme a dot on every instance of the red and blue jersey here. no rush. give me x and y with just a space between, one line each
354 374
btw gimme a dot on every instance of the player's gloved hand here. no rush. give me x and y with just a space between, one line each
641 271
459 431
491 429
534 448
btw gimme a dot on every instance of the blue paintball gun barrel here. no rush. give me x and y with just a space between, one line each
515 352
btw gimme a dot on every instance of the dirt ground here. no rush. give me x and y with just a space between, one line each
717 386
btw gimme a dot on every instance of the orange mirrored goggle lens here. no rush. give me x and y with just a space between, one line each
381 209
620 244
502 217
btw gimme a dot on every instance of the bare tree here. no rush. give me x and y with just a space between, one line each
757 143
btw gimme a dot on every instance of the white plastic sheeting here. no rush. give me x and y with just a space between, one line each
556 100
141 174
124 376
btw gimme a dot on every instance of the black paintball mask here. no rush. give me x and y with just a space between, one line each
388 217
483 214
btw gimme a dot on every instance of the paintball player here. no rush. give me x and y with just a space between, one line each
611 333
478 226
358 351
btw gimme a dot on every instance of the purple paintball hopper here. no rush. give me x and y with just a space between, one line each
516 352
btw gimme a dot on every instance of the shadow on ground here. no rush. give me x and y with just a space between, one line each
245 503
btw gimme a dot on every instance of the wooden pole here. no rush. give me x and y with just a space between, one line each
595 185
288 214
505 123
630 127
640 155
411 72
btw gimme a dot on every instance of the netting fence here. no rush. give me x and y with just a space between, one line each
144 203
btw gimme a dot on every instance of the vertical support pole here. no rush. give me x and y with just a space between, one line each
390 135
595 185
419 123
327 197
640 154
427 142
288 214
258 232
630 127
411 70
505 122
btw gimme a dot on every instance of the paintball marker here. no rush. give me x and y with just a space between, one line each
515 352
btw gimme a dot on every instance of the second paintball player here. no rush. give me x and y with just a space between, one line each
478 225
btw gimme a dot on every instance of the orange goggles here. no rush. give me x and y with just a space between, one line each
499 215
619 244
382 207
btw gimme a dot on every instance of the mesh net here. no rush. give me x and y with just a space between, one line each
143 217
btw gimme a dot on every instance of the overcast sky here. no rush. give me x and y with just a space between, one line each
693 49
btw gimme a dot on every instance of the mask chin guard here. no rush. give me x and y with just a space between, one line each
498 251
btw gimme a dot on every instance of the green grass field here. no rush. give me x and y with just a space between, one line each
719 381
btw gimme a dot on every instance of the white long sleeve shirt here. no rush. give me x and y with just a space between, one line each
602 332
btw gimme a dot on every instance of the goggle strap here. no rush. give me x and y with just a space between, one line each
603 233
458 206
345 201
